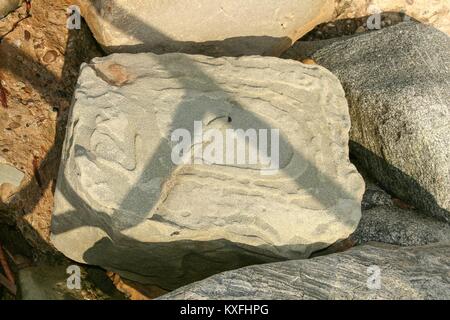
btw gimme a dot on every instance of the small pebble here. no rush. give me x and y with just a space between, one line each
27 35
308 61
50 56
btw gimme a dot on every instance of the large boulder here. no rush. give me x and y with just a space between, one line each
372 271
397 85
212 27
122 203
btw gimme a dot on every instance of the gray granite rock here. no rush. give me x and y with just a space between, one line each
212 27
389 224
374 196
121 202
372 271
397 85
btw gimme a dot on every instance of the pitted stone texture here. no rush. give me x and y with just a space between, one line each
404 273
121 203
212 27
397 85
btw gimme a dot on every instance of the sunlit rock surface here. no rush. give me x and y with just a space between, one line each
122 203
212 27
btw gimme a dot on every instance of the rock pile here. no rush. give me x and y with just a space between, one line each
196 160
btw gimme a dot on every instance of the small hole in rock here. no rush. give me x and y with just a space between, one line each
229 119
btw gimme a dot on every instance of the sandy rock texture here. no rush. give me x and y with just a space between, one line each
123 204
405 227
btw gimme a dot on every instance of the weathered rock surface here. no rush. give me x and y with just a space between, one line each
405 273
374 196
388 220
6 6
211 27
435 13
389 224
396 81
121 203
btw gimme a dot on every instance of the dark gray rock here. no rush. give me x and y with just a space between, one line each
384 221
397 85
374 196
404 273
400 226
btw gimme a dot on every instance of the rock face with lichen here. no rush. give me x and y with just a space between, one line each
122 203
211 27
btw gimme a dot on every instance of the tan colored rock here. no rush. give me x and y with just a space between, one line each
6 6
212 27
434 12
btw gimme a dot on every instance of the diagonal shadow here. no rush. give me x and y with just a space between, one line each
83 212
54 90
128 204
84 215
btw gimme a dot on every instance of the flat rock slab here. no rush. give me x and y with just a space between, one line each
397 84
372 271
122 203
212 27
